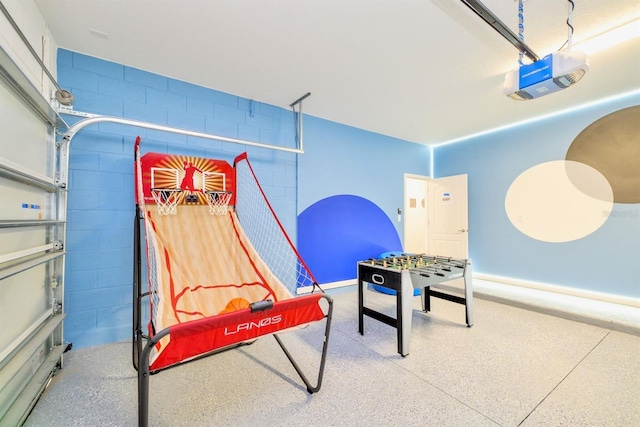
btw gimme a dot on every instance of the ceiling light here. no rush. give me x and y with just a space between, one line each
610 38
99 34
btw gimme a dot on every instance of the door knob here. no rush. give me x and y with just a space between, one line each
463 230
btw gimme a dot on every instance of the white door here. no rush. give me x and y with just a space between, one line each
448 217
416 214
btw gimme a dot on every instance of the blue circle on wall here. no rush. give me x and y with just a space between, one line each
337 232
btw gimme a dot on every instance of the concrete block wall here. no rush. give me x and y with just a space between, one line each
99 265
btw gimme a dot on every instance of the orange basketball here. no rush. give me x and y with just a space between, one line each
235 304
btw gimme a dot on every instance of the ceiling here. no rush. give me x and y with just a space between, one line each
427 71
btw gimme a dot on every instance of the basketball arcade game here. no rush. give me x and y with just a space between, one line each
403 274
221 269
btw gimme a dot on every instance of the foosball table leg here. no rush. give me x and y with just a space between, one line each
361 291
468 295
404 313
426 299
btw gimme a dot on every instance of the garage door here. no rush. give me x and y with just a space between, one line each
32 238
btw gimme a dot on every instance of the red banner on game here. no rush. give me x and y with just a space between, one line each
193 176
191 339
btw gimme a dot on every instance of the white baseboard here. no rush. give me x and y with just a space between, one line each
556 289
330 285
599 309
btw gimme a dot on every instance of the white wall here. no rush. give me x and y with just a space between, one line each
27 15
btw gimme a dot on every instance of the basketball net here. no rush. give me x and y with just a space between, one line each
218 202
166 200
265 232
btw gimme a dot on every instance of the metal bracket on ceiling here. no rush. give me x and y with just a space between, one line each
297 116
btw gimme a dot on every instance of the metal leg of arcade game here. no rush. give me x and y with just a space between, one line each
310 387
137 293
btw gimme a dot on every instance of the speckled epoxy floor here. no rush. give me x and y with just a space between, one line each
513 367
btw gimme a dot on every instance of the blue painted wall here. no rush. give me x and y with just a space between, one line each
606 261
358 165
341 159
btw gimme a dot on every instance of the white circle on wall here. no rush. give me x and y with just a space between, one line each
545 204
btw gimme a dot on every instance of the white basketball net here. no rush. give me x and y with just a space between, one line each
265 231
218 202
166 200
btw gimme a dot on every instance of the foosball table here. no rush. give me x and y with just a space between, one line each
403 274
